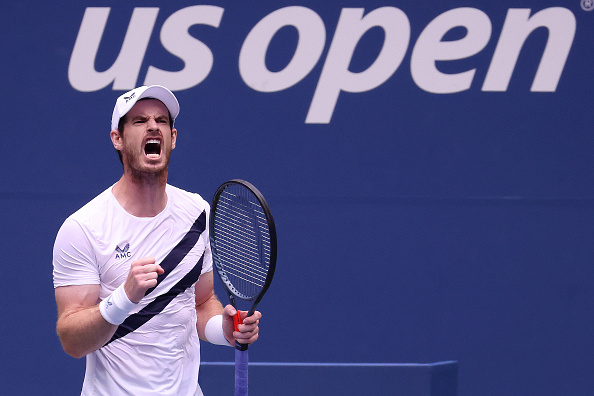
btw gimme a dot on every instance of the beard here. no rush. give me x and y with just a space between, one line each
141 171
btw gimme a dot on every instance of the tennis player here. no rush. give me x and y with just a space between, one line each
133 268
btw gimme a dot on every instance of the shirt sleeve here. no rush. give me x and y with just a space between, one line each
207 262
73 258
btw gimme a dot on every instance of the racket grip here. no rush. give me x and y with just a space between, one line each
241 372
236 320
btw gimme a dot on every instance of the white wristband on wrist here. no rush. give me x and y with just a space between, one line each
116 307
213 331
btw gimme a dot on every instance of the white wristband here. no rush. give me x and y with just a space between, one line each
116 307
213 331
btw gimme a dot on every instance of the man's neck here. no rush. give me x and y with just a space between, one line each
141 196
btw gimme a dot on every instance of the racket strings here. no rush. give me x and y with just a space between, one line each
233 214
243 240
243 249
247 243
242 264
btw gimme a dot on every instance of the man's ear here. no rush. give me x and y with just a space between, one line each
116 139
173 138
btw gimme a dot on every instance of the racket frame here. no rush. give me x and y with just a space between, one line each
218 263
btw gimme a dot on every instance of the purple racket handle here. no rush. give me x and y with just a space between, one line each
241 372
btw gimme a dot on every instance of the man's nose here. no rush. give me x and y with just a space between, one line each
152 124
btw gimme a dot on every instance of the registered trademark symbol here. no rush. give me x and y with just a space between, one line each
587 5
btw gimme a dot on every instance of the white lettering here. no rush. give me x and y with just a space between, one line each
336 76
430 48
124 71
252 57
196 55
517 27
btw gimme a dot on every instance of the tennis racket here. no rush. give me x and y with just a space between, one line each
243 244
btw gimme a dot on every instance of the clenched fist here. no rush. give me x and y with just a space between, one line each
142 276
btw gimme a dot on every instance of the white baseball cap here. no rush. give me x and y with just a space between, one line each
126 101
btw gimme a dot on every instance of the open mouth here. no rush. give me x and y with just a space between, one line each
152 148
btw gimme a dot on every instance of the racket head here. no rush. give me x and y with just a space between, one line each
243 240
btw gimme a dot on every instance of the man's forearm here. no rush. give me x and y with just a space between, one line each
84 331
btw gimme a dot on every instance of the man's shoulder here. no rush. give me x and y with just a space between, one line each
96 206
181 195
85 220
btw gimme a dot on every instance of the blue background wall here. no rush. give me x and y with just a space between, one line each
413 226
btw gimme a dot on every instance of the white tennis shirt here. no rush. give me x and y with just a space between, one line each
156 351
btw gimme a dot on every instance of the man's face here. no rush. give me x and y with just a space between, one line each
148 139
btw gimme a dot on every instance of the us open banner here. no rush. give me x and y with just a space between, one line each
429 165
430 48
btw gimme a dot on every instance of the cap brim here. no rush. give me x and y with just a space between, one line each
164 95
